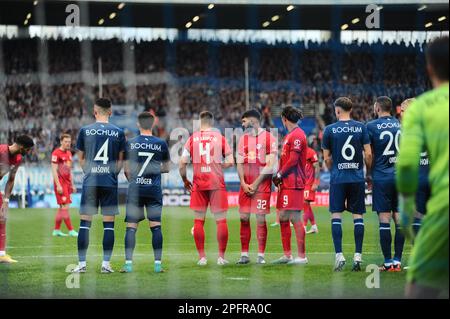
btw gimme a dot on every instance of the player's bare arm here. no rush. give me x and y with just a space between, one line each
240 170
368 159
126 170
120 161
82 159
56 178
183 173
8 191
316 176
328 158
266 171
229 161
165 167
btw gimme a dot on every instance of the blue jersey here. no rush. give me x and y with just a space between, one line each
145 154
101 143
345 140
424 168
384 136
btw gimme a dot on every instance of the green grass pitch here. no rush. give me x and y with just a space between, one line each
41 271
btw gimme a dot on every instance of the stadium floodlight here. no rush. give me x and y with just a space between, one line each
121 5
344 27
196 18
355 20
443 18
112 15
421 8
189 24
101 21
275 18
211 6
429 24
265 24
25 22
35 3
28 16
290 8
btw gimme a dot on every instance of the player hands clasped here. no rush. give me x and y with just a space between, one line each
290 180
384 133
63 184
10 160
209 153
257 155
146 158
344 144
101 149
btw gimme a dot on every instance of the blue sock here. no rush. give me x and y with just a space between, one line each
157 242
386 241
336 231
83 239
108 240
359 234
399 243
130 243
416 225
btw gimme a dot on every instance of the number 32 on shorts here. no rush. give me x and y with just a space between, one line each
261 204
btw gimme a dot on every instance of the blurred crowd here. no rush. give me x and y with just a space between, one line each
204 75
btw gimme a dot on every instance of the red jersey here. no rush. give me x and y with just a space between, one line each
311 158
207 149
253 150
8 161
64 161
294 146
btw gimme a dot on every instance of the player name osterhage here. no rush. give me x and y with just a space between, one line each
101 132
145 146
347 129
348 166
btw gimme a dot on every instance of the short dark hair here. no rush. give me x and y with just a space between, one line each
252 113
25 141
206 117
437 57
292 114
146 120
103 103
345 103
385 103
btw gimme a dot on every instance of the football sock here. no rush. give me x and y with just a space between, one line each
222 236
83 239
199 236
308 215
3 237
246 234
300 235
108 240
58 219
157 242
386 241
66 217
130 243
261 233
416 225
399 242
286 234
359 234
336 232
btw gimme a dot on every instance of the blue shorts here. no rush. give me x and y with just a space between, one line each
348 196
136 206
422 196
93 197
384 197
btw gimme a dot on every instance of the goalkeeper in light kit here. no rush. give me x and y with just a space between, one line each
210 154
425 125
257 154
290 180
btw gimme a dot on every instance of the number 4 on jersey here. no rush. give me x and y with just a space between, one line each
102 154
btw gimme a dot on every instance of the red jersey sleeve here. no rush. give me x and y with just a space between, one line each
312 156
55 157
271 144
188 147
226 149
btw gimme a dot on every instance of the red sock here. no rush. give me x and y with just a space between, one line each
2 236
58 219
66 218
300 234
261 233
246 234
199 236
286 237
222 236
309 211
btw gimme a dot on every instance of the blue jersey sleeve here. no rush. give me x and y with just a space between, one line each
80 141
123 142
165 153
326 139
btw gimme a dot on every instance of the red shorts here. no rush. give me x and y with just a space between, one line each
290 199
217 200
64 198
310 196
259 203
